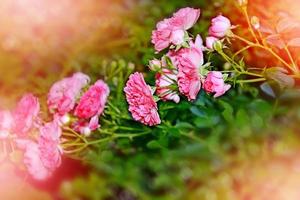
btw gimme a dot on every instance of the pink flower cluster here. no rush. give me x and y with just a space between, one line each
69 105
180 70
40 141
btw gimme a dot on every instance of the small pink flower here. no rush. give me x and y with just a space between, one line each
6 123
214 83
164 82
188 62
140 99
185 18
220 25
172 30
93 101
91 106
26 114
210 42
63 94
43 157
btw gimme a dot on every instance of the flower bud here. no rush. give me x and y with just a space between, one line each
255 22
218 45
210 42
154 65
86 131
220 26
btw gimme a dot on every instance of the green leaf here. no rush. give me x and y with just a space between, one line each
227 112
206 122
154 144
184 125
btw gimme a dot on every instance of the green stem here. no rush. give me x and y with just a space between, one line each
75 133
251 74
250 80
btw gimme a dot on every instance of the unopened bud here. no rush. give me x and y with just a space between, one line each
218 45
255 22
154 65
86 131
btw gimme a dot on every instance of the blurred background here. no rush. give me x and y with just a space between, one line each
252 153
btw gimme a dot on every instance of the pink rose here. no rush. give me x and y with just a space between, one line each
63 94
91 106
214 83
172 30
161 38
210 42
93 101
25 114
43 157
185 18
164 83
188 61
6 123
219 26
140 99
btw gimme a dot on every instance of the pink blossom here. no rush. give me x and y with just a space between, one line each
188 62
26 114
63 94
43 157
6 123
214 83
172 30
164 83
210 42
185 18
91 106
220 25
32 159
93 101
48 142
140 99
